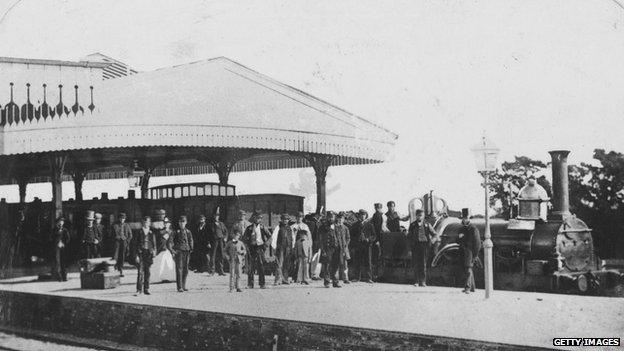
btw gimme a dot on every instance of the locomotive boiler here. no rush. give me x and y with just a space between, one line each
535 251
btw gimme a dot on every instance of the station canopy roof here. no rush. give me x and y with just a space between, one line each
212 105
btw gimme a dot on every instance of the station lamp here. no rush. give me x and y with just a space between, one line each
135 175
485 155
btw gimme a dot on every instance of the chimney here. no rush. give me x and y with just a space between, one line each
560 196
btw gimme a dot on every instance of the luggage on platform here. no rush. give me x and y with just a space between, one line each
98 273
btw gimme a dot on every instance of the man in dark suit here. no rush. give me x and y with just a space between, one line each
283 250
201 254
217 234
256 238
469 241
180 243
144 250
122 235
377 222
60 240
419 238
91 236
332 253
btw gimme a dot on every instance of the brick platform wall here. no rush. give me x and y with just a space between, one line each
101 323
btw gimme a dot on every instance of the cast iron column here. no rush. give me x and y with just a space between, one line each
320 164
78 176
57 166
22 183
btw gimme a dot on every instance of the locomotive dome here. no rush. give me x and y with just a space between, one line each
533 191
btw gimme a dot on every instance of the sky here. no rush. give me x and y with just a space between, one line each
534 75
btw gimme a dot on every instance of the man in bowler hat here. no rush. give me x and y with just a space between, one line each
218 234
419 238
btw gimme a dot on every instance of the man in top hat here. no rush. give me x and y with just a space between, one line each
144 251
201 254
469 241
181 244
91 237
60 240
419 237
240 224
218 234
256 237
122 235
283 244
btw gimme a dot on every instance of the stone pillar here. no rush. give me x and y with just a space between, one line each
78 176
57 166
320 164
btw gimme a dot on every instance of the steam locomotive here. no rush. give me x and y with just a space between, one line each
535 251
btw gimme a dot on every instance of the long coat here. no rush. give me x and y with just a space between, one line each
469 242
284 240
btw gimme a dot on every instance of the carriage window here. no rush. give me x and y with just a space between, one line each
230 191
169 192
200 191
177 192
185 191
193 190
215 190
222 191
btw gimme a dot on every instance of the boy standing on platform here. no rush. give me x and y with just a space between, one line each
123 235
303 253
235 252
181 245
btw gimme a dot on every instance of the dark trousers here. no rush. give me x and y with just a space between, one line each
59 264
143 267
217 257
470 283
363 267
202 260
120 254
419 261
256 263
92 250
376 259
181 263
282 266
335 268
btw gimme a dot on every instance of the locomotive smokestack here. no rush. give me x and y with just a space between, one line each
561 196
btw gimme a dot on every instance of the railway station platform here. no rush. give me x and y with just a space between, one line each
358 316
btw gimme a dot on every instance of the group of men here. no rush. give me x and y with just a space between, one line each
344 251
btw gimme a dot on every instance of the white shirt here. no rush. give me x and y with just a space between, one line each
258 234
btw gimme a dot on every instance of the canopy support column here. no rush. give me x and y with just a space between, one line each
78 176
22 183
145 182
320 164
57 166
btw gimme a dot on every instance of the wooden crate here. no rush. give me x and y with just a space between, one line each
100 280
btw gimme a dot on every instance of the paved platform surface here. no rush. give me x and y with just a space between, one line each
520 318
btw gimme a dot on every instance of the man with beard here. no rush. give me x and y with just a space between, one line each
283 244
217 234
256 238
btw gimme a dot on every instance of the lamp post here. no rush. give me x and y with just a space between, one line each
485 154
